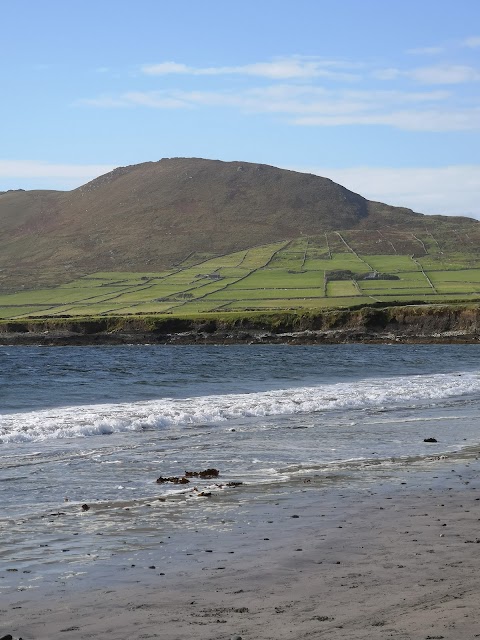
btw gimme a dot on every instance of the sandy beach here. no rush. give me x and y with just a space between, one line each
394 557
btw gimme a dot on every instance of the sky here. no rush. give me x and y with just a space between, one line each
378 95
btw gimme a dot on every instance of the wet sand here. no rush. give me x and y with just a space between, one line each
392 558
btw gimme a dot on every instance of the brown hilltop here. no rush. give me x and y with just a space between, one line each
149 216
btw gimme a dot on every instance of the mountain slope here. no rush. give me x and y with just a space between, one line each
149 216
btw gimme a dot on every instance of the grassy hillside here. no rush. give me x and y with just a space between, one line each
332 270
149 218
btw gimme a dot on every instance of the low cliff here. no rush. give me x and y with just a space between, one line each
439 323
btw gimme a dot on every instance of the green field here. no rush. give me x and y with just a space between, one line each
308 273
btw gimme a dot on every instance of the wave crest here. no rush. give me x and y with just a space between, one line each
104 419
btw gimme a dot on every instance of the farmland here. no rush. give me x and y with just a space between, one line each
317 272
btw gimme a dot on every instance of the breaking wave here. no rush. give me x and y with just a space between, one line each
80 421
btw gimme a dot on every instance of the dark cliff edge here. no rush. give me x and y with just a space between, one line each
404 324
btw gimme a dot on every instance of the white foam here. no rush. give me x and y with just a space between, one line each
169 413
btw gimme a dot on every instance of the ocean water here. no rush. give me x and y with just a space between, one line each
99 425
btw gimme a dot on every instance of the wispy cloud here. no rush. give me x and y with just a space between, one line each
104 101
298 67
438 190
445 74
435 120
426 51
165 68
152 99
472 43
312 91
30 174
309 105
279 69
438 74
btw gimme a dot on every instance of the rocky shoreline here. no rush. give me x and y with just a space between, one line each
409 324
234 338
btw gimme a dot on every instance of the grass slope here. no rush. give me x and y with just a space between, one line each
314 272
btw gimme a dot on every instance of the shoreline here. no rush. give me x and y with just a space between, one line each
411 324
233 338
390 557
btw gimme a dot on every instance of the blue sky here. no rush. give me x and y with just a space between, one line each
378 95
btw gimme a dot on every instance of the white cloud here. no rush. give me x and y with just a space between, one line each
387 74
279 69
407 120
445 74
308 105
300 67
165 68
31 174
426 51
156 100
104 101
438 74
35 169
450 190
472 42
293 89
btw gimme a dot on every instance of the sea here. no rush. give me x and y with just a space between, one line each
86 432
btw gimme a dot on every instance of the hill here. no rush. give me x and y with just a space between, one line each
148 217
